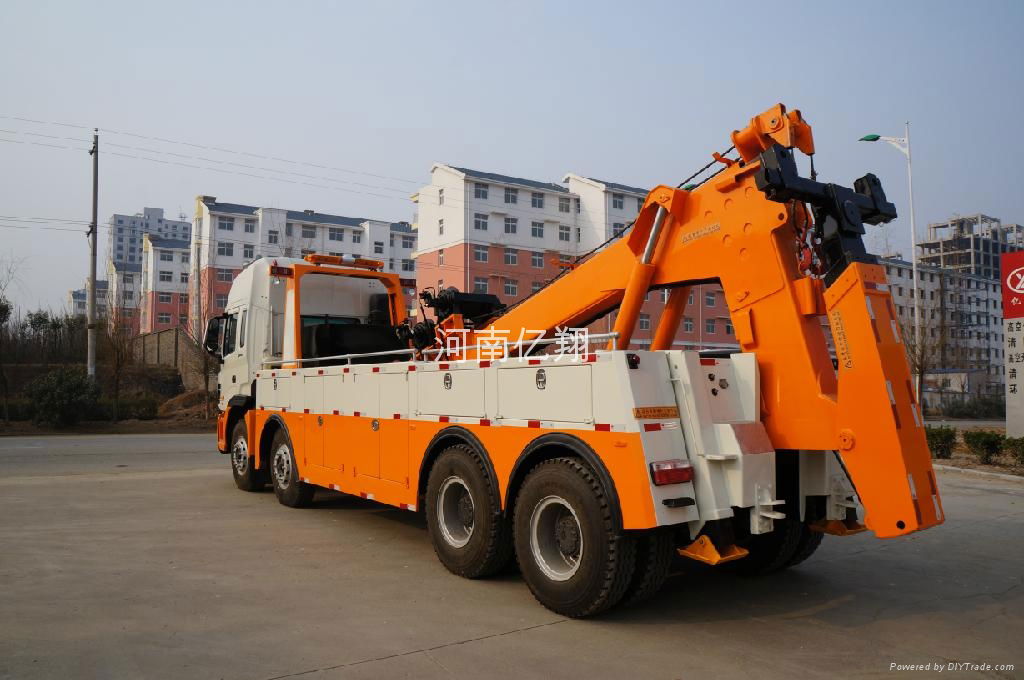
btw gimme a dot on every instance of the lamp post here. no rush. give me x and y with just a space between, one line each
903 144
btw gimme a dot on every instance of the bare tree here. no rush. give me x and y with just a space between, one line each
119 335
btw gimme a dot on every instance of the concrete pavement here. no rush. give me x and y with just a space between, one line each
136 557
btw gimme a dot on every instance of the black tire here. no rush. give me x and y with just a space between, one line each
284 473
470 534
809 542
590 560
773 551
655 550
243 462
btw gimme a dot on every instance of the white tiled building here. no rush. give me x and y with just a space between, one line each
961 319
166 266
227 236
125 233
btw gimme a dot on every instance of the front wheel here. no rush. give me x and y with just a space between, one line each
284 473
574 558
243 463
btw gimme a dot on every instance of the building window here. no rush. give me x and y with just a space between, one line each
440 256
166 277
306 251
480 221
688 324
220 300
248 251
537 259
225 248
728 328
479 253
250 226
184 258
537 200
480 284
511 195
287 228
709 326
166 256
408 265
408 242
511 256
709 299
183 278
182 320
440 196
480 190
226 223
183 298
163 317
378 247
308 231
645 322
536 286
357 237
440 228
163 298
579 235
511 287
563 204
272 236
618 228
224 275
335 234
639 204
511 225
127 278
576 202
537 229
564 233
618 201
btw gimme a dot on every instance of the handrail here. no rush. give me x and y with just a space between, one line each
394 352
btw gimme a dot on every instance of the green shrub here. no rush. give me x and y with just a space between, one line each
63 396
18 409
985 444
941 440
1015 447
976 407
143 407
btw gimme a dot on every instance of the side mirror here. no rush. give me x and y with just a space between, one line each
211 341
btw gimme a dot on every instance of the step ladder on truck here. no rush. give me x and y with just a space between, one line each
595 471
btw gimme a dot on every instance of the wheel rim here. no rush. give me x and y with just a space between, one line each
240 456
283 466
455 511
556 538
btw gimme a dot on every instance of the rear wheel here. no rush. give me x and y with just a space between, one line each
654 552
790 543
471 536
574 558
243 463
284 473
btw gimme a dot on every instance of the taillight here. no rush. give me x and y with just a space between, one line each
675 471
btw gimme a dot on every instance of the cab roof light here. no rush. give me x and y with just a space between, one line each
675 471
340 261
277 270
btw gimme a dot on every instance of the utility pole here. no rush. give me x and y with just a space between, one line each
91 329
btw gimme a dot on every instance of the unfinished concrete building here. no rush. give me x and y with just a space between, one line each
970 244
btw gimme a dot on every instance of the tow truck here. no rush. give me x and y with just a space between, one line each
596 473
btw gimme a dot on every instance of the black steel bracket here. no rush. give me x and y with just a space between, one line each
840 213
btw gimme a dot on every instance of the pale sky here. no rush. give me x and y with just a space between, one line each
639 93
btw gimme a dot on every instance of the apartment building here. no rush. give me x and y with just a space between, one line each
492 233
123 293
78 300
125 233
961 328
970 244
163 297
228 236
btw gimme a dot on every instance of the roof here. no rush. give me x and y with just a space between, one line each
614 186
127 266
403 227
168 242
294 215
506 179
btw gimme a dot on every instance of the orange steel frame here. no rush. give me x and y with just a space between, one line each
728 230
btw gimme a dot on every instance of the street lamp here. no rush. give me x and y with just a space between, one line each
903 144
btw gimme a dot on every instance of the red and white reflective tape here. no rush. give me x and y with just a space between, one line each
407 506
367 496
334 486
